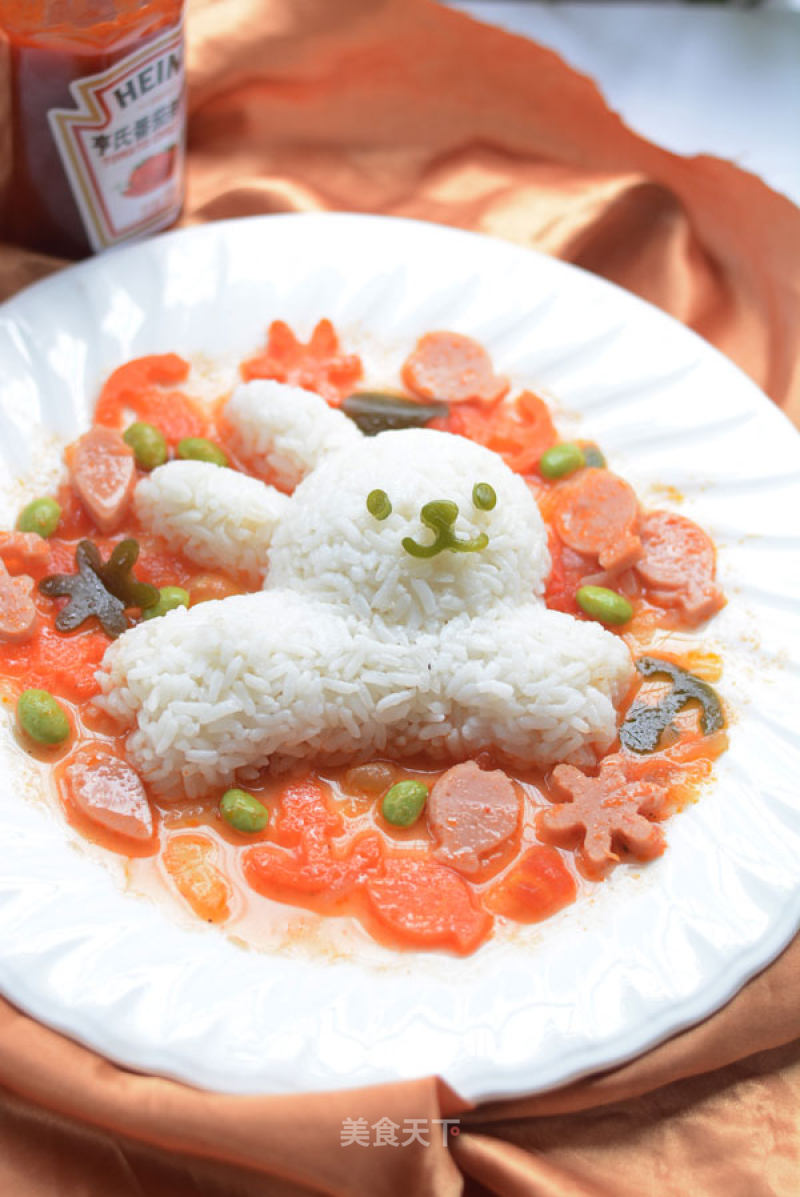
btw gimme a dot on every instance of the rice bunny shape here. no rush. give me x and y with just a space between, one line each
411 625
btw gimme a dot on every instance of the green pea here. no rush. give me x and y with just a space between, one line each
605 605
197 448
41 515
403 803
148 444
484 496
169 597
379 505
243 812
42 718
561 460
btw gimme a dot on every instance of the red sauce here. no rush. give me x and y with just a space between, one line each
47 48
327 847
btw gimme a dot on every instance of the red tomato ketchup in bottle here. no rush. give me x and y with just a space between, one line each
92 121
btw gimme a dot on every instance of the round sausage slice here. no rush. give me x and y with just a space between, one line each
109 792
18 613
454 368
678 565
103 472
471 811
598 513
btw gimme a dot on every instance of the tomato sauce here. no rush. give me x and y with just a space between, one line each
55 188
327 849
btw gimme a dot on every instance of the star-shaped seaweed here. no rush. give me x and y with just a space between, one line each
603 811
103 589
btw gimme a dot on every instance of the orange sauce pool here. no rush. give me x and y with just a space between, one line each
345 860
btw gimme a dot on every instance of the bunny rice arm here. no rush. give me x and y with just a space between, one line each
251 680
283 432
537 686
216 517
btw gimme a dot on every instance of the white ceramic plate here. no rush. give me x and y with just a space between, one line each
656 948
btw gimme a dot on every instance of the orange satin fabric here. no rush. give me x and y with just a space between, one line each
402 107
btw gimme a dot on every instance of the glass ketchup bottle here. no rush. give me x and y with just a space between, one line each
92 121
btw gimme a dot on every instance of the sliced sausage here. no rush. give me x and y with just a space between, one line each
109 792
470 812
602 812
103 472
597 512
678 566
18 612
452 367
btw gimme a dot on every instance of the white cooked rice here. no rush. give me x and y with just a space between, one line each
328 545
355 648
282 432
217 517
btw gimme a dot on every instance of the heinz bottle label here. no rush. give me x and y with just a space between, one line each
122 145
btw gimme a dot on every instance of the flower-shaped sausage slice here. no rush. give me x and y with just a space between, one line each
605 812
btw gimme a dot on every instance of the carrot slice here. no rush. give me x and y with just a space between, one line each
426 903
63 664
304 860
597 512
21 551
519 432
319 366
103 473
305 814
109 791
188 860
127 385
567 571
539 885
454 368
282 875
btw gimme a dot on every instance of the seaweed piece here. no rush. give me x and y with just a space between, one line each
374 412
645 723
592 455
440 516
117 575
99 588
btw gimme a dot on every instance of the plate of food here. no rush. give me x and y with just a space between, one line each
398 659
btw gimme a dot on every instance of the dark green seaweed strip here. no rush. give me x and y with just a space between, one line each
374 412
645 723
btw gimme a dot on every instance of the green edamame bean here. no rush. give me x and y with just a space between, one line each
40 515
197 448
243 812
42 718
605 605
148 443
403 803
561 460
169 597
